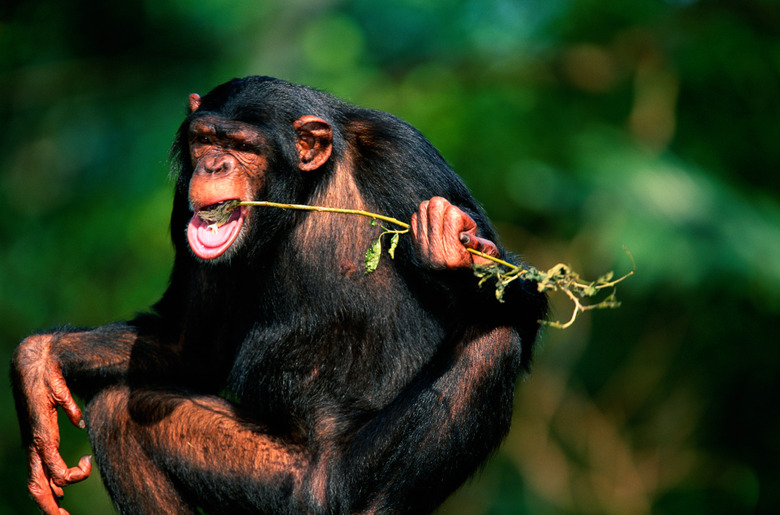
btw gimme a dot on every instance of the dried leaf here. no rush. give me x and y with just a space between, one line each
219 214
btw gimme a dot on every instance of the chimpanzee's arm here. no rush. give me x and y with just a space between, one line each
420 448
442 232
45 368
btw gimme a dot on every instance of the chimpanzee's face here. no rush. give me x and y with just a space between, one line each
229 163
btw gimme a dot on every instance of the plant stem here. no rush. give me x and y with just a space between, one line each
303 207
493 259
560 277
369 214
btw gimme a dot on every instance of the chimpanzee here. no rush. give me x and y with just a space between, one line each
275 375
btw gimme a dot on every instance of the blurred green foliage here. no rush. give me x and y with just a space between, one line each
582 125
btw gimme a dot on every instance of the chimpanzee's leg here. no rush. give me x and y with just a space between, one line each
168 452
136 484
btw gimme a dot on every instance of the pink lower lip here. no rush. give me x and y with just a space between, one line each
209 244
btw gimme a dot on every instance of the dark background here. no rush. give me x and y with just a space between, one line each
581 125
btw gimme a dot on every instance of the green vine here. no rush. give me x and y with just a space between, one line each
558 278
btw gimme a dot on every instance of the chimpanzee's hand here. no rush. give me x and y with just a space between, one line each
441 234
39 387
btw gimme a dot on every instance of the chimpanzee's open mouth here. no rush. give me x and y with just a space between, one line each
213 228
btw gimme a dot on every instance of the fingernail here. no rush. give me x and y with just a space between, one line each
82 424
464 238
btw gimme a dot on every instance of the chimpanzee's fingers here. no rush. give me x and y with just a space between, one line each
59 493
437 228
442 232
436 215
39 486
480 244
45 449
63 397
74 474
420 231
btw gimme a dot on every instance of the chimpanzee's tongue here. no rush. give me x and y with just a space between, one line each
208 241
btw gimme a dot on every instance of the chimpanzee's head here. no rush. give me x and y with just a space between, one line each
249 139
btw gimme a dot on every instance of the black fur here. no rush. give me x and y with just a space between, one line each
379 392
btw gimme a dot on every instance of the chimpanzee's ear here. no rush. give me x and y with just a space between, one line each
315 142
194 102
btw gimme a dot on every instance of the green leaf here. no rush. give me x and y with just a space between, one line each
480 270
484 273
535 275
605 278
500 291
393 245
373 254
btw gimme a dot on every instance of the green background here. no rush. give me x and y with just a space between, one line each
581 125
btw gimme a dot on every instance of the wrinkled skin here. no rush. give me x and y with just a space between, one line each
44 385
442 232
